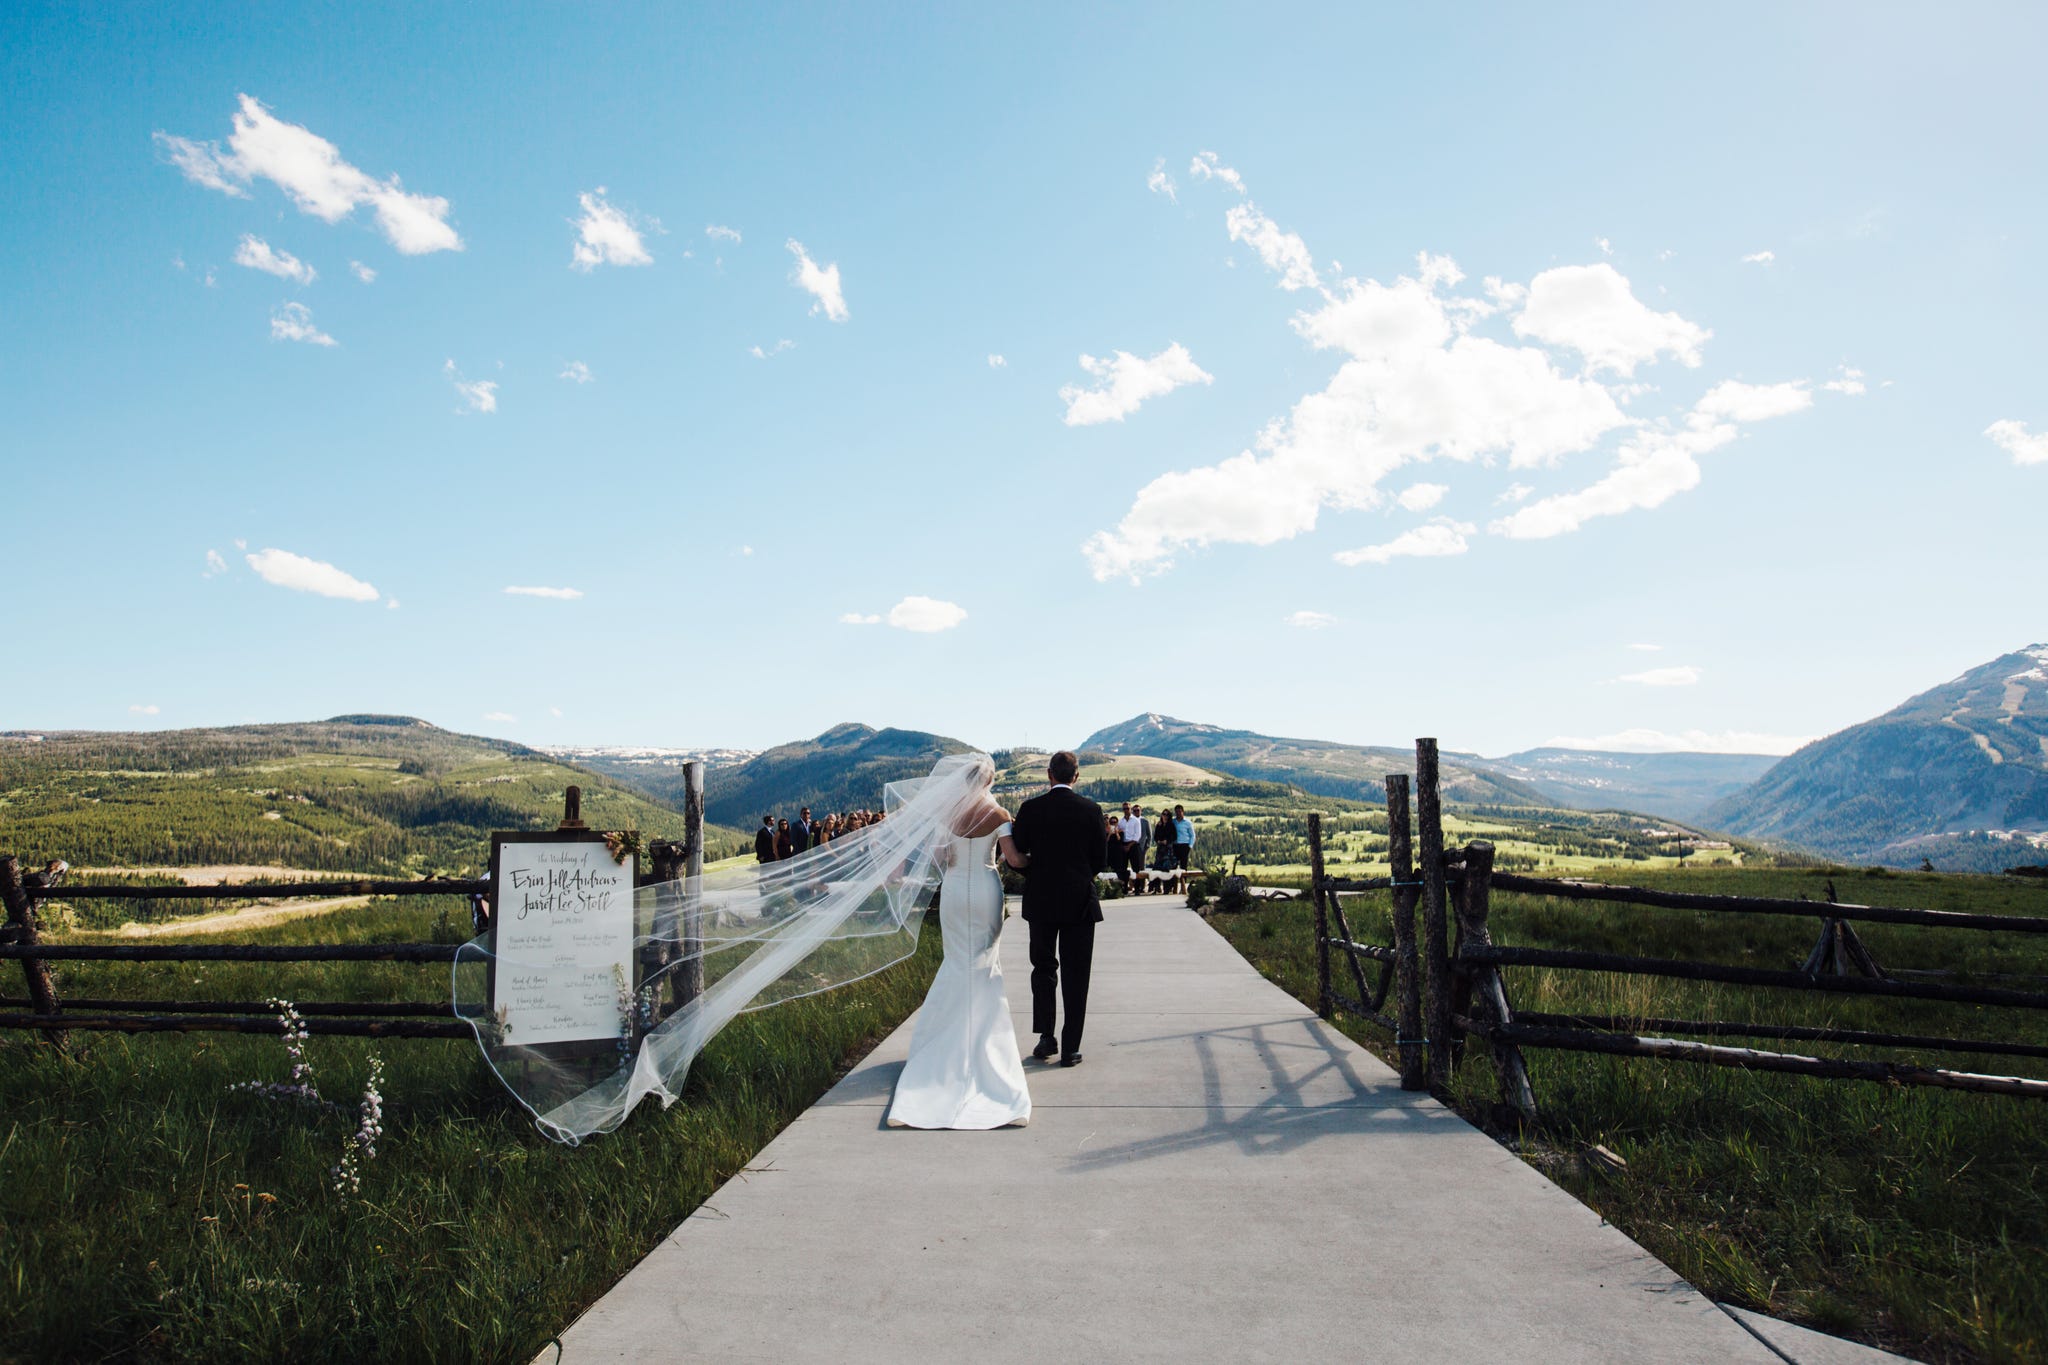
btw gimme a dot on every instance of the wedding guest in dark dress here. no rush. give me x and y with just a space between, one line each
785 845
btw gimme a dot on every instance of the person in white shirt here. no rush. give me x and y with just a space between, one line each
1131 829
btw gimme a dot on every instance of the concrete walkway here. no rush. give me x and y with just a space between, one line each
1224 1178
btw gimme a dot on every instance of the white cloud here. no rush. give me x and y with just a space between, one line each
555 711
606 235
1685 741
311 172
257 254
1734 401
479 395
215 565
576 372
1311 620
854 618
500 716
1760 258
559 594
1159 182
1606 247
2015 440
146 709
1413 386
287 570
763 353
1679 675
1592 310
745 552
1657 463
1281 251
996 362
1420 497
925 615
1206 166
821 284
391 603
1440 537
719 233
294 322
1423 378
1125 381
362 272
1647 649
1848 380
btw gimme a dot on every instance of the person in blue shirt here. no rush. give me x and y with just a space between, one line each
1183 837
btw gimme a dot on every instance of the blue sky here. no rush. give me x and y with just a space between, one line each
1437 363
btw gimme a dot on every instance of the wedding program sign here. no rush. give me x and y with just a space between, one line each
563 938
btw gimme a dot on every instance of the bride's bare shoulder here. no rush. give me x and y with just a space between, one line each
988 822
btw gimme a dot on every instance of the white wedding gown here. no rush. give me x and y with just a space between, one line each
964 1069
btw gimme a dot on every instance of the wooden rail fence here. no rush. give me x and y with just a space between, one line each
1448 991
21 938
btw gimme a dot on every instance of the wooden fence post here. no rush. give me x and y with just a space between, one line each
1429 818
690 974
1475 903
21 928
1407 977
1324 1006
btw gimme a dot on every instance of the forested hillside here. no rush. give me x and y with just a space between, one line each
384 794
843 769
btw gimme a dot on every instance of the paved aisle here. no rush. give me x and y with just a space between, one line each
1224 1178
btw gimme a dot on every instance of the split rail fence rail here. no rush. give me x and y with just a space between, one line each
1448 989
21 939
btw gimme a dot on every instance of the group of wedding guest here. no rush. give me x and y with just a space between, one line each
781 839
1136 844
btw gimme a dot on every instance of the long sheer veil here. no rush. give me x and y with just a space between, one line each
752 936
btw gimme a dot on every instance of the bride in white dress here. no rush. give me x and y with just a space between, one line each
964 1069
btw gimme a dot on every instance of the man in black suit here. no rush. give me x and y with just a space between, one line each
1061 831
764 840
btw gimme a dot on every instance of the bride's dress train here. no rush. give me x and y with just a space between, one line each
964 1069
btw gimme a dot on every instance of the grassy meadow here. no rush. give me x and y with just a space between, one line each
1910 1218
147 1212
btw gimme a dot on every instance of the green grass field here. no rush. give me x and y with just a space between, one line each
148 1213
1906 1217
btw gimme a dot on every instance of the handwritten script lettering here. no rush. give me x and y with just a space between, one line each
564 941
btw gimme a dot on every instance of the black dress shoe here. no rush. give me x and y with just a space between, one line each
1070 1059
1046 1047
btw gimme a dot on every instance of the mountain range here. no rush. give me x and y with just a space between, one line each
1322 766
1957 775
1680 786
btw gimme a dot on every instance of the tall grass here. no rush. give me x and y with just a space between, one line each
1910 1218
134 1221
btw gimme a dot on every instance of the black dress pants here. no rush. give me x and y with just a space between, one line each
1060 958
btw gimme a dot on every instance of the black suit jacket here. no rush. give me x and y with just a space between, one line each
764 845
1062 831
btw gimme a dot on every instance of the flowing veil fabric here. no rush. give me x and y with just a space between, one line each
761 935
